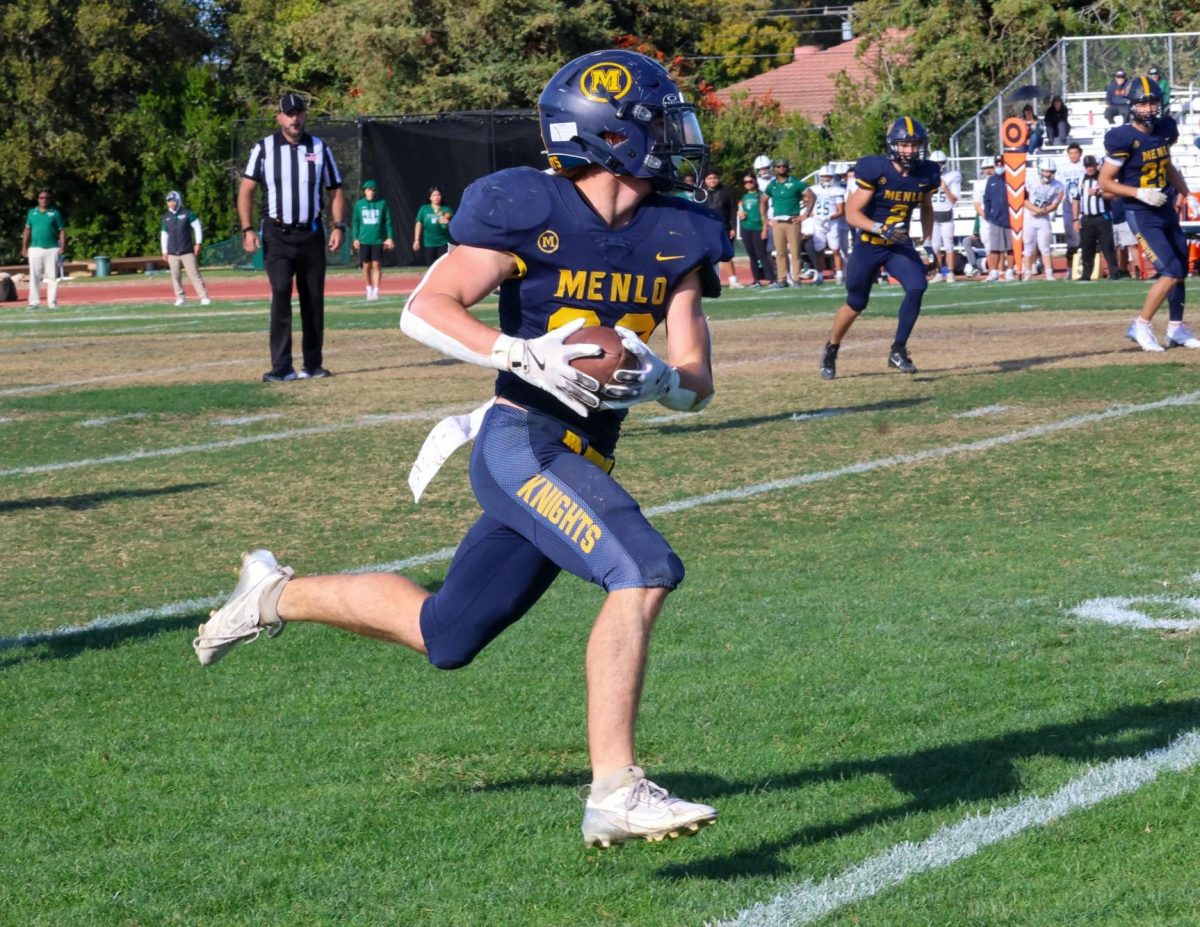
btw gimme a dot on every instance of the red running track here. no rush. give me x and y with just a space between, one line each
138 288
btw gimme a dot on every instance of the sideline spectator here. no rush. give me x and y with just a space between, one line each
293 235
1057 122
995 211
42 241
1116 95
754 233
180 238
719 199
1093 219
1164 87
1124 240
1034 125
791 203
371 235
431 231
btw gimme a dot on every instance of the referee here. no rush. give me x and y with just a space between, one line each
1094 221
293 166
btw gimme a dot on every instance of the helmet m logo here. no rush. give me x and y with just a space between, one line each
605 82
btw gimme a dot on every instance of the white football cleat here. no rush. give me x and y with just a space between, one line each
641 810
1142 334
238 619
1180 336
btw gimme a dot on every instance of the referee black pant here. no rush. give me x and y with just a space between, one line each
1095 230
295 254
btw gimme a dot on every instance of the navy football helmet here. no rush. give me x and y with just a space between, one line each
621 93
1143 90
907 129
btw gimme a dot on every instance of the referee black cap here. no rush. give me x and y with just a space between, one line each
1089 160
290 102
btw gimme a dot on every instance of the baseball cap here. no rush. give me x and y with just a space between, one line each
782 162
174 195
1089 160
292 101
1153 72
369 185
999 159
1118 73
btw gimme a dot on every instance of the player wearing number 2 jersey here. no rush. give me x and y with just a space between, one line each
1139 170
599 242
887 191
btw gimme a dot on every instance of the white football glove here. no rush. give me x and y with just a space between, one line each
545 362
894 233
651 379
1151 196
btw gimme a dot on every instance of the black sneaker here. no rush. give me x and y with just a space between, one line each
829 361
272 376
313 373
901 361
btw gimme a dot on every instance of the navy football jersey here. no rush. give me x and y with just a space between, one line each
894 196
571 265
1143 158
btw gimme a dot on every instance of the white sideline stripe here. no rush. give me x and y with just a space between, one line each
1116 611
826 413
935 453
682 505
810 901
109 419
366 421
108 378
983 410
247 419
191 606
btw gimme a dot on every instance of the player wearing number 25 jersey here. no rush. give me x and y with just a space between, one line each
597 243
1139 170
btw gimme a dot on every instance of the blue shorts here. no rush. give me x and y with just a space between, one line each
546 507
1162 239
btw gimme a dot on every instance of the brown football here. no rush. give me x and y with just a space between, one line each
603 366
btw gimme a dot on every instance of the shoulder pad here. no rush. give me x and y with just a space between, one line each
496 209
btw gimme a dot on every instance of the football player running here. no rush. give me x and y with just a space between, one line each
598 242
887 190
1139 170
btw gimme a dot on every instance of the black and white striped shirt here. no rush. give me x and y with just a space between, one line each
292 176
1091 203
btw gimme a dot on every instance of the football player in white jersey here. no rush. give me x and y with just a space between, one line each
1070 175
943 200
829 210
1042 199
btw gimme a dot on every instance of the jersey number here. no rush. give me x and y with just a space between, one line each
641 324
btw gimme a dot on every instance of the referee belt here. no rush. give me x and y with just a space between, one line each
1096 215
295 226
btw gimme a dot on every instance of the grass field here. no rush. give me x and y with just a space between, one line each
889 666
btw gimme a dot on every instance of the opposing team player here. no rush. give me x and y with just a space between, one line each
942 201
1042 200
887 190
599 241
1139 170
829 207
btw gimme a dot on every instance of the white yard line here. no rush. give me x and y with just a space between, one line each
810 901
982 411
681 505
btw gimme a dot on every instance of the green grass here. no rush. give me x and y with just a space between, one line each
850 664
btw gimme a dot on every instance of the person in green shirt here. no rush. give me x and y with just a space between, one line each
431 231
754 232
42 241
791 203
371 235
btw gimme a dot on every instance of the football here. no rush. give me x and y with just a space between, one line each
603 366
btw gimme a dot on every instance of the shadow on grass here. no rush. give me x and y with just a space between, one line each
983 771
91 500
697 426
68 646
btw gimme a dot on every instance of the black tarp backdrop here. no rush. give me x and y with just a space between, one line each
406 155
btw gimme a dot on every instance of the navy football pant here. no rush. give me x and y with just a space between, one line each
545 509
903 263
1162 239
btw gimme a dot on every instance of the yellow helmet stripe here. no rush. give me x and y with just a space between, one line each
909 126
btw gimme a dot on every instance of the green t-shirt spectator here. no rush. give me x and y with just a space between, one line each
787 197
371 222
433 233
753 221
45 227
